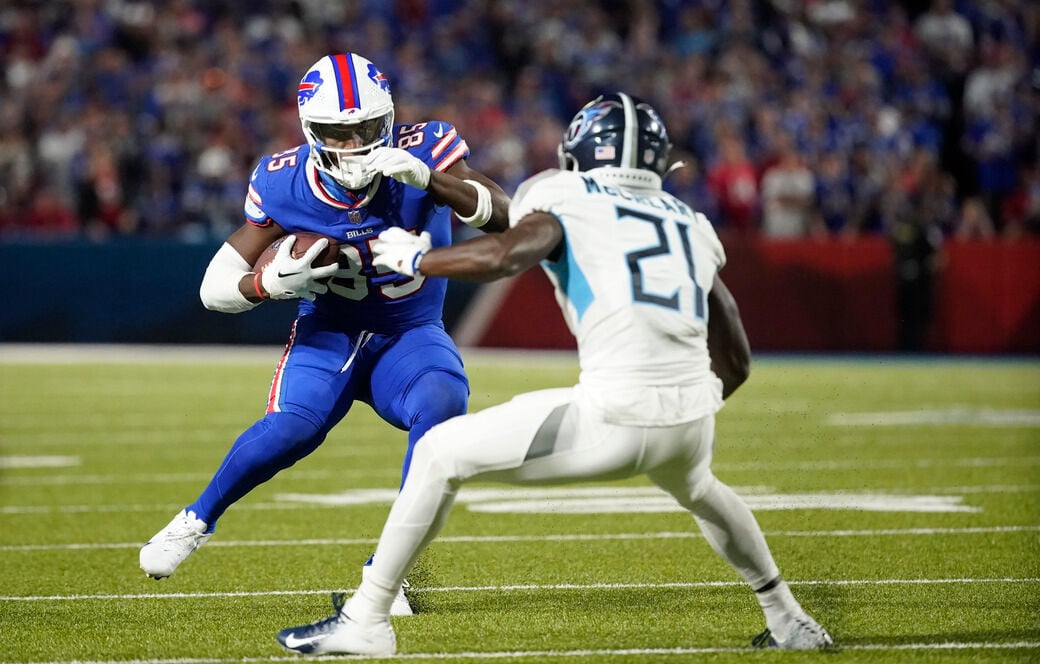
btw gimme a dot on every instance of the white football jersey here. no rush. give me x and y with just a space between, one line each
632 280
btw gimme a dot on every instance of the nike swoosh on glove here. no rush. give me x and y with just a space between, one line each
400 165
286 278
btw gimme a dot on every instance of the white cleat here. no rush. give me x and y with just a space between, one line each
339 635
401 605
803 633
171 546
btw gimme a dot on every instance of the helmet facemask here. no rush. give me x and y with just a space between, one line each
345 164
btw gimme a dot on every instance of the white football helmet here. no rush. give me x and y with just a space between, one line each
345 99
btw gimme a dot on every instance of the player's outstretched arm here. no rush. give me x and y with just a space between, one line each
484 258
727 342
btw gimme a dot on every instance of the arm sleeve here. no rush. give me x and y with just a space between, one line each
219 290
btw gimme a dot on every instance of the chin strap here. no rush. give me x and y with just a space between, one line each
674 167
351 197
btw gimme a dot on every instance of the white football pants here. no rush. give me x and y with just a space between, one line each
548 437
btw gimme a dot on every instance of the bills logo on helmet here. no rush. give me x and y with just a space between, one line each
308 87
585 119
379 78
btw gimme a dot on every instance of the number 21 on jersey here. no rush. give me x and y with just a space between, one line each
641 262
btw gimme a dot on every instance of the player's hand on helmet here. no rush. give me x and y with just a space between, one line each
400 165
400 251
286 278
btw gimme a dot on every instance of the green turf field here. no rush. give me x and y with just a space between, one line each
901 500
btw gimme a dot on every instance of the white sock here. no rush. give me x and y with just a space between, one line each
370 604
731 529
780 606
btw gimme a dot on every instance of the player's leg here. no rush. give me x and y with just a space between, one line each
733 532
446 455
308 395
417 381
537 438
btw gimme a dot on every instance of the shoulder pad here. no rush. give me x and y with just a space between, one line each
260 180
436 142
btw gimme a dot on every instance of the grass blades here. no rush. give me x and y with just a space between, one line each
901 499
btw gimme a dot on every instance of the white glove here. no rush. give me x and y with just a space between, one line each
401 251
400 165
286 277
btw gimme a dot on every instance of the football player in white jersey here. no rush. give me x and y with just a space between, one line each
660 344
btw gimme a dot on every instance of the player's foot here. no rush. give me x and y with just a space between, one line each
803 633
401 605
340 635
169 547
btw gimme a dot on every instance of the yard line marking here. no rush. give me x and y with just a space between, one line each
521 588
850 464
11 461
628 500
167 478
857 464
989 417
574 537
103 509
618 652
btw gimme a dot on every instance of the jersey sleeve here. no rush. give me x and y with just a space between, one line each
254 204
539 193
712 239
437 143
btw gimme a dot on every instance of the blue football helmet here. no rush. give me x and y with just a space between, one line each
616 130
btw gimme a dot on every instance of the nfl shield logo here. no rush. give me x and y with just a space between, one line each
354 216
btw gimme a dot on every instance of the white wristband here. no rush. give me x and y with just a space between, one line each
482 214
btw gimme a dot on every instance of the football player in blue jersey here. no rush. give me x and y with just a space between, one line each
362 333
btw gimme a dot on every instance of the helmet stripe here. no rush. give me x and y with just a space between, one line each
343 67
629 145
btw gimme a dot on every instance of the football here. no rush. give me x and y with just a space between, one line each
304 241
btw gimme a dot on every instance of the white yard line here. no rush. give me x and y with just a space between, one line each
722 466
620 652
28 353
527 588
591 537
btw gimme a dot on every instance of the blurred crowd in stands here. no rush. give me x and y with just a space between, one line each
795 118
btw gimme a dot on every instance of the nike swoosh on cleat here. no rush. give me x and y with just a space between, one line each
291 641
282 275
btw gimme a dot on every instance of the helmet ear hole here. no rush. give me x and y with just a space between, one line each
566 160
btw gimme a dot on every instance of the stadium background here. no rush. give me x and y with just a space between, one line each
128 130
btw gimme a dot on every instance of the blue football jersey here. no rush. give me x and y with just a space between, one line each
287 189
